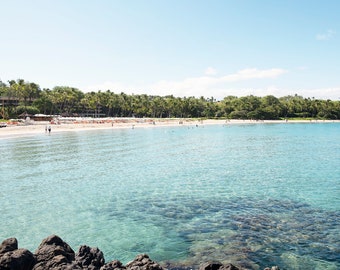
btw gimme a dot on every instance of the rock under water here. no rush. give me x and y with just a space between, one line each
249 232
55 254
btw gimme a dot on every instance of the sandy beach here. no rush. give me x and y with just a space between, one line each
63 125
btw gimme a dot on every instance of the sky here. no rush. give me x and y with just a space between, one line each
211 48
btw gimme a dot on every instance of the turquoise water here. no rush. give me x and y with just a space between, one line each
253 195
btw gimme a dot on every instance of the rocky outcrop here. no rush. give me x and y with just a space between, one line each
19 259
114 265
143 262
9 244
90 258
229 266
217 266
12 258
55 254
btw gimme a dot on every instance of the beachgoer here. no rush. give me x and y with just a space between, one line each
49 129
45 129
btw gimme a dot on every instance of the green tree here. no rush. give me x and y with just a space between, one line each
270 107
3 94
44 103
228 105
66 99
25 92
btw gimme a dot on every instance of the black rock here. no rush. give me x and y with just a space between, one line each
19 259
210 266
114 265
54 254
90 258
9 244
143 262
229 266
217 266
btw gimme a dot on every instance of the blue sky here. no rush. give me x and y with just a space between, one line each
180 47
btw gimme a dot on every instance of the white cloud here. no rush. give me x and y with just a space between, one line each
329 34
242 75
203 87
116 87
253 73
216 86
206 86
195 86
210 71
332 93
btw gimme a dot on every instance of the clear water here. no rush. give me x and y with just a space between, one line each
253 195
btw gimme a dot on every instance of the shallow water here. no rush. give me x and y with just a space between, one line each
253 195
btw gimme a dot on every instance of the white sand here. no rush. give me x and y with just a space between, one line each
34 128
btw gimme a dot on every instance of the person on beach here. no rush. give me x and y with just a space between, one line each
45 129
49 129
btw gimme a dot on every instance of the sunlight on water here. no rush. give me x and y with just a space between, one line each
253 195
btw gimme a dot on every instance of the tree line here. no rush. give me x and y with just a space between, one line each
20 97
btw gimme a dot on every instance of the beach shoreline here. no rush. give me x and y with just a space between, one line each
39 127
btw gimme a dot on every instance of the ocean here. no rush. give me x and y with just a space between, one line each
254 195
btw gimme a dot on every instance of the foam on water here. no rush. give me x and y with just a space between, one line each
253 195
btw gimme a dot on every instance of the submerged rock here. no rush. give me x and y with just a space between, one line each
55 254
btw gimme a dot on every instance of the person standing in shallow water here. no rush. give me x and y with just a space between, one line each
49 129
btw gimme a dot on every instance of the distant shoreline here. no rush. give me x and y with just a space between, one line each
37 127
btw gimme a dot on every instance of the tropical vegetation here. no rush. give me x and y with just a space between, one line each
18 97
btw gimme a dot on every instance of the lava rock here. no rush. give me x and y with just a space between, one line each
114 265
217 266
210 266
9 244
90 258
19 259
54 254
143 262
229 266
